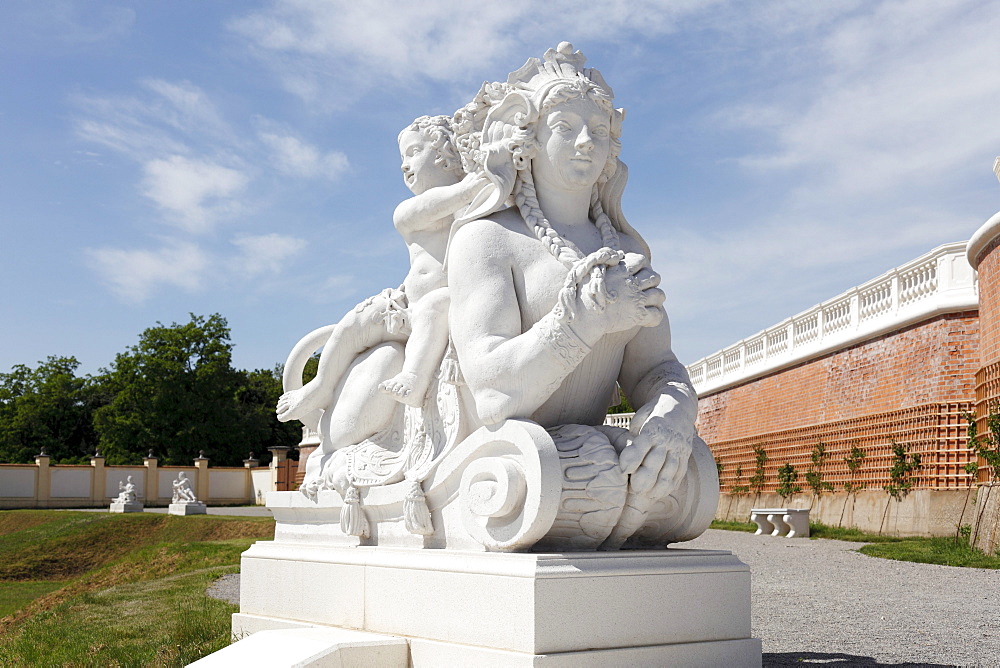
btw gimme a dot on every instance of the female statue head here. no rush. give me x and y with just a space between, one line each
510 146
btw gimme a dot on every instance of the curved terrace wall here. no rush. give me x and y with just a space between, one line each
893 359
983 254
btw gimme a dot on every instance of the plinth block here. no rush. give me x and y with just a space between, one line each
475 608
132 507
187 509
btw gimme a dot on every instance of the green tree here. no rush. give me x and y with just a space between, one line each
758 480
47 408
900 476
787 475
986 446
814 476
737 489
852 487
623 405
257 395
176 393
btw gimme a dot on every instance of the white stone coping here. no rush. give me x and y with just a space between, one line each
989 231
939 282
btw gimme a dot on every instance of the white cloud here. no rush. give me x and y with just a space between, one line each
187 108
902 105
265 253
134 274
194 192
149 126
362 45
294 157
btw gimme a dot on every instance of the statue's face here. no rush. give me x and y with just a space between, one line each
422 170
575 138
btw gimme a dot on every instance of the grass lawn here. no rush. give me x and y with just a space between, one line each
97 589
941 550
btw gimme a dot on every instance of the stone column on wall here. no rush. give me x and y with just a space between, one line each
310 441
983 251
201 485
279 454
43 486
249 464
152 478
100 479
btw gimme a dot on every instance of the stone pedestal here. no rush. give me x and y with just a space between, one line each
196 508
455 608
127 507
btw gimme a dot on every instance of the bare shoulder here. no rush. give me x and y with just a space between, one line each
498 235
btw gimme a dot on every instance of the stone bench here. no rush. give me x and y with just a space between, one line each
789 522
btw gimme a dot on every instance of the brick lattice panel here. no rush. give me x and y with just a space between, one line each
987 395
936 431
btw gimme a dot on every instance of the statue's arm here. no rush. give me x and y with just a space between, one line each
666 404
511 373
652 373
427 209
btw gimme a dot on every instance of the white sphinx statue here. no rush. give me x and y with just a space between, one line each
465 409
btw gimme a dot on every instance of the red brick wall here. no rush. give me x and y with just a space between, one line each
865 394
989 303
931 362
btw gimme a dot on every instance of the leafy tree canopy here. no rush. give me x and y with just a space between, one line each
175 392
46 408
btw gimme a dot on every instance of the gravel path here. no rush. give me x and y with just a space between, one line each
819 602
226 588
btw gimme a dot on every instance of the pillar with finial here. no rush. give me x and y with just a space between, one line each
44 485
201 475
152 477
98 495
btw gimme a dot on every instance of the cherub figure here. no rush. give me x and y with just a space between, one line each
417 313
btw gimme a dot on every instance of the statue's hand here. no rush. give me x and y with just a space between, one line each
657 457
634 300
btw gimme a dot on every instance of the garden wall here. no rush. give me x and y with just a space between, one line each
41 485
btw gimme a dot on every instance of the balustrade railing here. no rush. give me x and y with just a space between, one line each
938 282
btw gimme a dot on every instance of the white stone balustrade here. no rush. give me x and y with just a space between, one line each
623 420
941 281
788 522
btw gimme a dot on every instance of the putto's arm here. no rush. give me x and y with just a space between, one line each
423 211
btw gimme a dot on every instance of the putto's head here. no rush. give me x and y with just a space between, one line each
427 152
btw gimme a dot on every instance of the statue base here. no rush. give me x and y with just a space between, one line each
459 608
130 507
198 508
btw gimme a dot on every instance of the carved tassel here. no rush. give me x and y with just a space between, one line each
415 511
352 516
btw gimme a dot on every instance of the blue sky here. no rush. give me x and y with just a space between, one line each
239 157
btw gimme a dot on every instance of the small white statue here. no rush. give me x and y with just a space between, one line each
126 491
182 490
